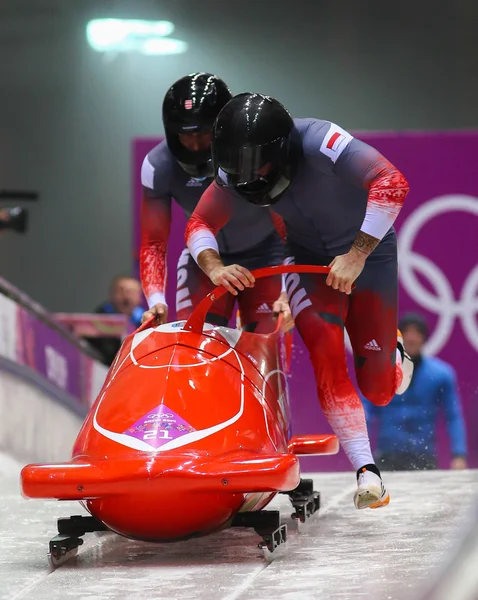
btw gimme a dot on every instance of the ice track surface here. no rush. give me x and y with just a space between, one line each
342 553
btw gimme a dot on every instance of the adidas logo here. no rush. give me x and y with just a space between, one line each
372 346
264 308
195 182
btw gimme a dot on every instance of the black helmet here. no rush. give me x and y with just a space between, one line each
191 105
251 148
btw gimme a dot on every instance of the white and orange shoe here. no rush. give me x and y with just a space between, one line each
404 366
371 492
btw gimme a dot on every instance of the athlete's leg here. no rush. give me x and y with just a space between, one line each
372 326
192 286
255 305
320 312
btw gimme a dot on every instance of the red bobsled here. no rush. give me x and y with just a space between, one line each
190 434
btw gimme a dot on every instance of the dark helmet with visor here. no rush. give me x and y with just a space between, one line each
191 105
251 148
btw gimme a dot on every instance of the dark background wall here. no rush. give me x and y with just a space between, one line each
68 114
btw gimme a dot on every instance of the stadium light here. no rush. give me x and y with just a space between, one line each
164 46
133 35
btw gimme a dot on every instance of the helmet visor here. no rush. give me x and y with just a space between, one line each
249 166
185 126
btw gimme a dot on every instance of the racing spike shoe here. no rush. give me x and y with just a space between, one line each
404 366
371 493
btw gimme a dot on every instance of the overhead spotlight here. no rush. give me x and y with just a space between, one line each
164 46
133 35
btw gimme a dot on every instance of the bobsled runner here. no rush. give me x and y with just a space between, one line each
190 434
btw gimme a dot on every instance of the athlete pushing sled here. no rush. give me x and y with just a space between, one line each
339 199
180 168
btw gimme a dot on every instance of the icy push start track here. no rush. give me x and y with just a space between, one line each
341 554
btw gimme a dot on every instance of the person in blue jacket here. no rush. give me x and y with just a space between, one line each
406 427
124 298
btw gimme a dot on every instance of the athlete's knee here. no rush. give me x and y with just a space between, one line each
379 398
376 377
380 395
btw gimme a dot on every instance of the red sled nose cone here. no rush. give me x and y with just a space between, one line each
169 517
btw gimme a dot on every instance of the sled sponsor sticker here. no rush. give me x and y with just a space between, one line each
159 426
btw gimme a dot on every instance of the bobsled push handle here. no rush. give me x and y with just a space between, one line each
196 320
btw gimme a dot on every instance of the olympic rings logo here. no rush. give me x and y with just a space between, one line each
160 416
442 302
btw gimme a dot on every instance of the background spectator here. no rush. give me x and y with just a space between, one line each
125 298
406 428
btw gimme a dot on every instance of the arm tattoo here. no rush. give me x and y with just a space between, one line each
365 243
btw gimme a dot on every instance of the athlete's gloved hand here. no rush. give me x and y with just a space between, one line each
160 311
345 269
233 278
281 306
